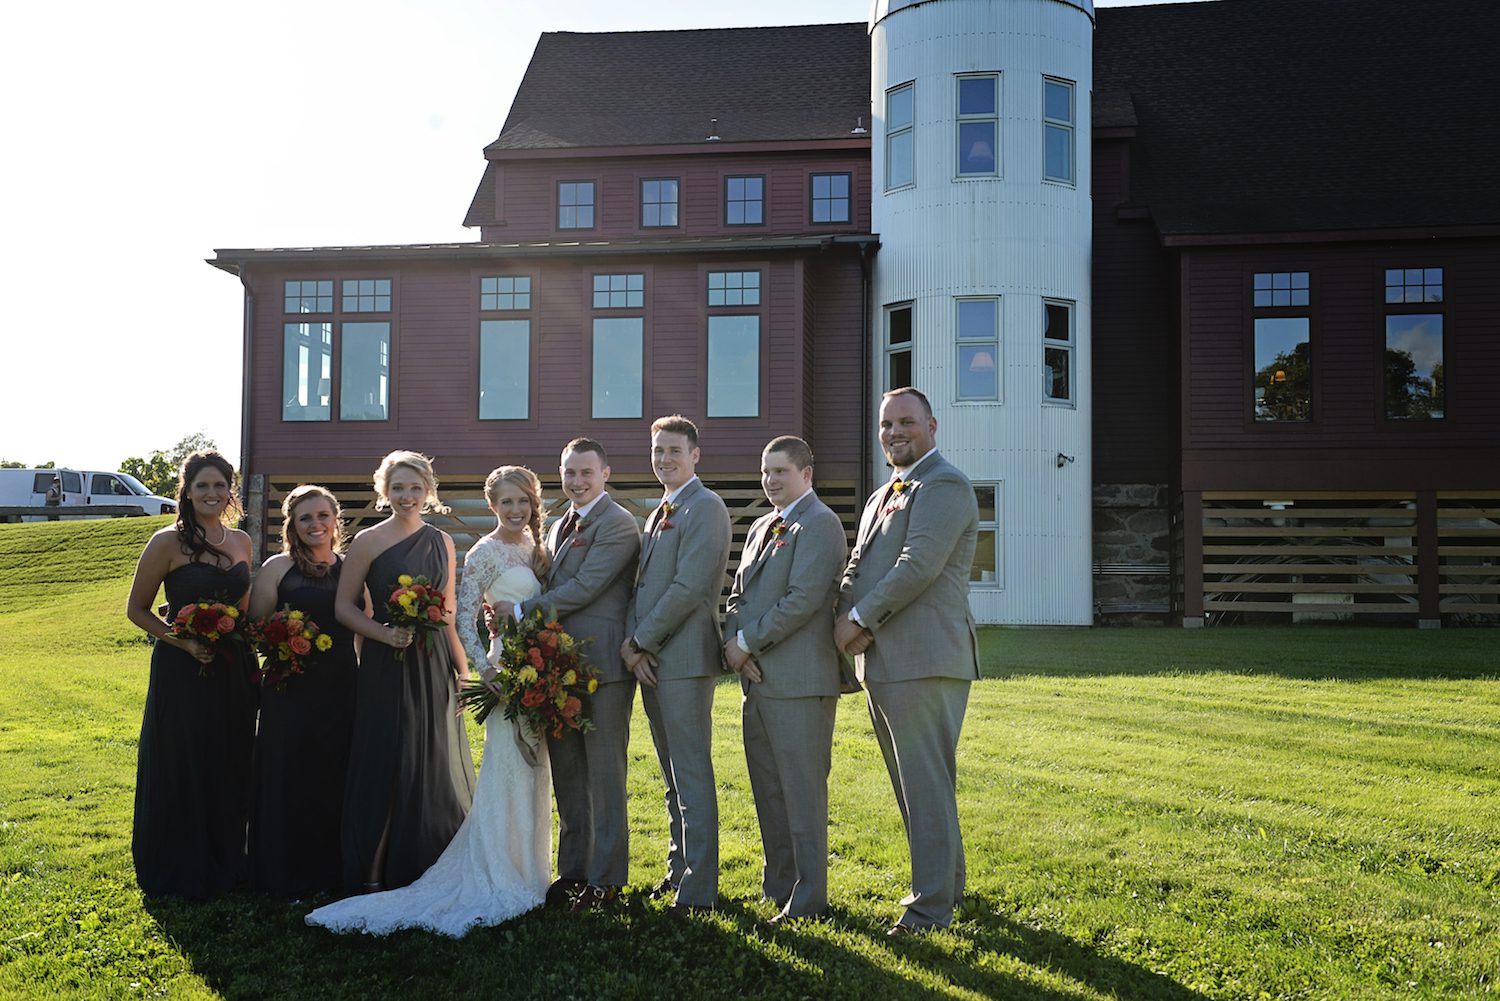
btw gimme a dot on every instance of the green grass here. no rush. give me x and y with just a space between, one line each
1168 814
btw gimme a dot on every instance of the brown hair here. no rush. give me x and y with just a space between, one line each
525 479
909 391
587 445
417 463
677 424
192 535
793 448
292 544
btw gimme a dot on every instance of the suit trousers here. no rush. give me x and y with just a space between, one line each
917 724
680 713
588 781
788 751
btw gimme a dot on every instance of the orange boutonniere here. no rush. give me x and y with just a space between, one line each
667 510
777 531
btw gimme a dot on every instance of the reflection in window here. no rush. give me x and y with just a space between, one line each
309 297
1414 366
505 292
364 371
744 201
899 148
619 291
1057 130
978 124
733 366
504 369
618 366
306 371
986 569
1281 288
830 198
1283 369
575 205
1414 285
367 295
659 202
1057 351
734 288
898 346
978 349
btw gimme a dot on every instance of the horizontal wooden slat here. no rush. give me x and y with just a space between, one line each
1283 587
1331 569
1486 570
1468 495
1287 606
1469 550
1469 588
1367 513
1360 551
1334 531
1454 605
1468 512
1295 495
1447 532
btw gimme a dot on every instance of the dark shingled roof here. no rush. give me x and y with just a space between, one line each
643 88
1266 116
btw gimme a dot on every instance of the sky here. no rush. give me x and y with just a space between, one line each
145 136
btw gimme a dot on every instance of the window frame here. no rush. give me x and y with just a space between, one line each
332 357
676 203
960 119
1070 346
959 343
341 345
375 295
998 584
709 289
890 348
528 277
726 200
733 313
1070 126
909 129
557 218
593 355
525 381
812 198
1299 311
1420 307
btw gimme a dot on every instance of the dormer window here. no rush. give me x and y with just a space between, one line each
575 205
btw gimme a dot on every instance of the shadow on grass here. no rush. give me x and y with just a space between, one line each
251 948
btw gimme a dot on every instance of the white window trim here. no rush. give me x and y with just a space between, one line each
909 345
1070 345
998 584
912 128
1071 125
959 344
959 119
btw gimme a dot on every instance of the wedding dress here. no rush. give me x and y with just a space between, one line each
499 863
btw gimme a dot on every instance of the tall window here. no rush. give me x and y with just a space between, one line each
504 369
619 366
830 198
658 202
978 125
365 371
978 349
986 569
619 291
309 297
307 370
1057 130
505 292
734 288
898 345
900 118
1057 351
733 366
575 205
1282 380
367 295
1414 344
744 200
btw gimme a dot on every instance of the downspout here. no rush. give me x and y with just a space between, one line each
865 480
246 439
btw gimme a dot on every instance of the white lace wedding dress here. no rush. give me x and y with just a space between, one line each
499 863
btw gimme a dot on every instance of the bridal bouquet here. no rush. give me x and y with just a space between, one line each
541 674
210 622
288 640
417 604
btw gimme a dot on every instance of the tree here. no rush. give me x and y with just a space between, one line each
158 471
12 464
1409 395
1283 389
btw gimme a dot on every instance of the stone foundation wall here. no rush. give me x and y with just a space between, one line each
1132 553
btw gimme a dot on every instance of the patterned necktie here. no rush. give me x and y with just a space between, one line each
569 523
657 517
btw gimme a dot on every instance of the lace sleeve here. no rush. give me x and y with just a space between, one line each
479 569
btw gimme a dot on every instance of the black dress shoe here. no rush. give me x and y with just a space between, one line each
594 898
663 889
560 893
785 918
690 909
899 930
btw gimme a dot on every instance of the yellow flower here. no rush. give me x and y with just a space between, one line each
406 601
234 613
404 580
561 701
526 675
323 642
297 616
570 678
307 634
593 685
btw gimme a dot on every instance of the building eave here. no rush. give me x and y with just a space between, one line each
497 154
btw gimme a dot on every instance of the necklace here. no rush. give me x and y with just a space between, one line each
223 536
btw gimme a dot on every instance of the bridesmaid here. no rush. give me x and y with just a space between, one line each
411 779
193 761
302 745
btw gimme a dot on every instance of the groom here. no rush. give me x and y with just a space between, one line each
594 549
903 614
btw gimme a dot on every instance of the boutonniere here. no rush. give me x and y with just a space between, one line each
777 531
901 491
901 486
667 510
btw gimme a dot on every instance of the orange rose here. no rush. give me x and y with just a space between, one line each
300 646
225 624
434 613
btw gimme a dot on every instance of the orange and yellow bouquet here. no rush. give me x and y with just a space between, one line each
417 604
211 622
287 641
541 676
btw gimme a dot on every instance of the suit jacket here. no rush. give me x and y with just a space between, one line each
783 601
909 577
674 614
590 584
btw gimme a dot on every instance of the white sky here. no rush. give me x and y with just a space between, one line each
143 136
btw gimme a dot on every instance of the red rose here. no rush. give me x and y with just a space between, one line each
300 646
205 621
532 698
275 631
434 613
572 707
535 656
419 590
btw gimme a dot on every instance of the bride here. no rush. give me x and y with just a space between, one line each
498 864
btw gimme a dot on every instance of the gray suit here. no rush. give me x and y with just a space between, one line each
589 590
674 615
908 577
782 600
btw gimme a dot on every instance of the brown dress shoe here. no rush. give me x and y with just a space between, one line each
663 889
594 898
560 893
899 930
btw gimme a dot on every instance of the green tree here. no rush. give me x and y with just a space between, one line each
1409 395
158 471
1283 389
12 464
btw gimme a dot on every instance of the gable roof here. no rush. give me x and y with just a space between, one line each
646 88
1273 116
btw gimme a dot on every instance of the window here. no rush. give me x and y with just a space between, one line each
1283 370
744 201
986 569
367 295
1414 345
575 205
1281 288
830 198
1057 130
103 483
365 371
734 288
978 349
978 125
619 291
1057 351
504 369
307 370
899 138
898 345
309 297
659 202
618 366
505 292
733 366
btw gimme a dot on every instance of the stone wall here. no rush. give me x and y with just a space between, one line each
1132 553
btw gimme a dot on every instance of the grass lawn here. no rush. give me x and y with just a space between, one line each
1167 814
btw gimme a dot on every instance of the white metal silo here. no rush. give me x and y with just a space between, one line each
981 170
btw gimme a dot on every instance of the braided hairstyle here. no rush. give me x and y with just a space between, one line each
526 481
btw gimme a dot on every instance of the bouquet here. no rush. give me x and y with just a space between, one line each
289 641
541 674
417 604
210 622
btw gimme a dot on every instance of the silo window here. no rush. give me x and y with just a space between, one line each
900 116
898 345
1057 351
978 125
1057 130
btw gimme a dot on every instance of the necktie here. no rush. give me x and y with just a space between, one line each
657 517
568 525
765 539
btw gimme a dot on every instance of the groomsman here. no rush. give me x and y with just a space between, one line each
903 613
594 550
779 638
674 651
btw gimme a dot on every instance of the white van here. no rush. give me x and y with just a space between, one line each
22 487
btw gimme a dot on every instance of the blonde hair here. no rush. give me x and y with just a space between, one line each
292 544
526 481
417 463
